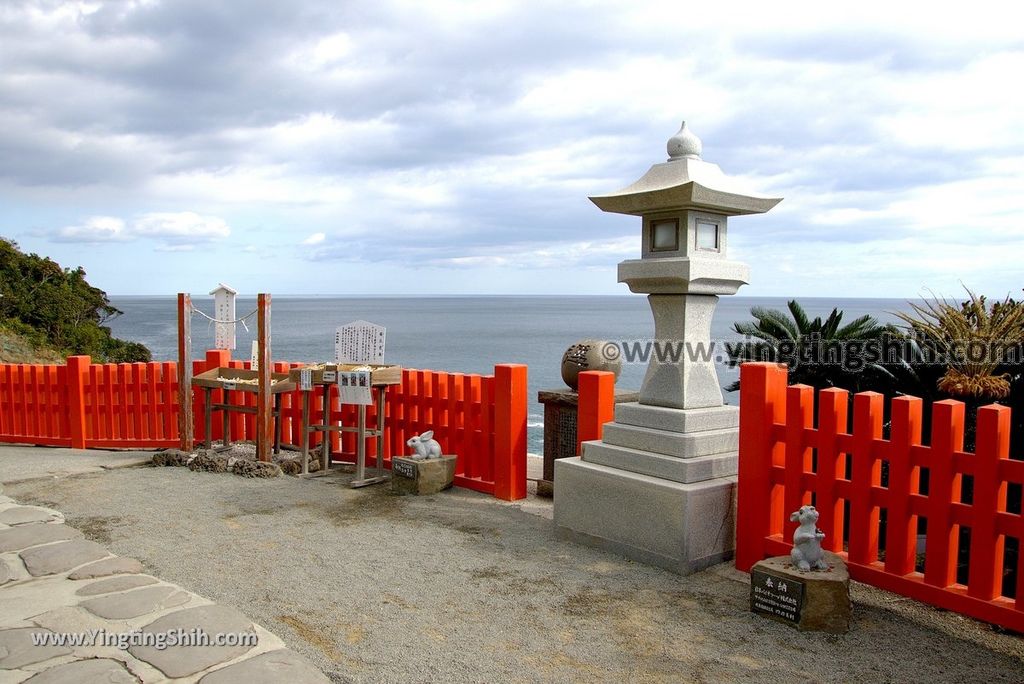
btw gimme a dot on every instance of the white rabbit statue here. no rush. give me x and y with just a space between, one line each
424 446
807 553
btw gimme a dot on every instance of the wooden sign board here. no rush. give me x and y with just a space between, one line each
359 342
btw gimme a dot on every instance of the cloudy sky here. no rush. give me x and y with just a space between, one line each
327 146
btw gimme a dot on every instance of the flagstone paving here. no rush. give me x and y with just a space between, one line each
55 583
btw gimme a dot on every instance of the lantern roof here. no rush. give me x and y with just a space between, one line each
685 181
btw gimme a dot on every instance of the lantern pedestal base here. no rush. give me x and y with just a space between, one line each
658 488
680 527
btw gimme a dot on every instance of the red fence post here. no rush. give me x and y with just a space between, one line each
78 371
833 407
901 524
868 413
215 358
799 417
943 489
985 575
510 431
762 404
596 405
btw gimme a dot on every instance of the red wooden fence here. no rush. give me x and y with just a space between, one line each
779 447
480 418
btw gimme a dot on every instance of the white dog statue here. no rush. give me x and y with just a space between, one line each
807 553
424 446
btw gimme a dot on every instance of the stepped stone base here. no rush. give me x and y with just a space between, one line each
658 488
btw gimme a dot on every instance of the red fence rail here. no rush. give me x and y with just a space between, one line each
786 461
480 418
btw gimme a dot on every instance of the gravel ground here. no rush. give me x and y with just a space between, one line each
461 588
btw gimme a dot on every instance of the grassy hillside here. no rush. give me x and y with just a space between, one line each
16 348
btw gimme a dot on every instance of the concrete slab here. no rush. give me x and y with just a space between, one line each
185 660
23 515
61 557
677 420
680 527
136 603
20 463
685 470
97 670
108 566
268 668
682 445
26 536
112 584
17 648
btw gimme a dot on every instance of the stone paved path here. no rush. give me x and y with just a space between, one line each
55 583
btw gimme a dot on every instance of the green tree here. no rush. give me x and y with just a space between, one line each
58 307
820 353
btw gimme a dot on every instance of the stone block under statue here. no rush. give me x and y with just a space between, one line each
422 476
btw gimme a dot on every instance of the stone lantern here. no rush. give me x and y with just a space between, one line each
659 486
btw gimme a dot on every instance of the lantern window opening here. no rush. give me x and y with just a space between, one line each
665 235
707 236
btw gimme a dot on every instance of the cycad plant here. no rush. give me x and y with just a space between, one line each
820 353
975 341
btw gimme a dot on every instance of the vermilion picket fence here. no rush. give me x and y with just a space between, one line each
786 461
480 418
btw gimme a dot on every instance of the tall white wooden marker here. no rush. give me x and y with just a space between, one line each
224 312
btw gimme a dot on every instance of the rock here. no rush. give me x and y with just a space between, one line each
107 566
811 601
209 463
268 668
132 604
119 583
185 660
247 468
85 672
428 476
171 457
291 466
24 536
56 558
17 650
5 573
23 515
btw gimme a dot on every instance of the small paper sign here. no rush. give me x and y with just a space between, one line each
255 357
330 376
305 379
229 385
354 387
359 342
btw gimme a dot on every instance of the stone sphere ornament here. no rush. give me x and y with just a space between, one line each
589 355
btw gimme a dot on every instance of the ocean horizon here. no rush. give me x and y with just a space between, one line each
461 333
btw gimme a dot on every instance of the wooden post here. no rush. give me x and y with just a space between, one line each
510 431
264 411
901 523
596 405
78 370
185 424
868 415
943 492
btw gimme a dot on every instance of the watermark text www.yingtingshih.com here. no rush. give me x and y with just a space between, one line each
182 638
851 355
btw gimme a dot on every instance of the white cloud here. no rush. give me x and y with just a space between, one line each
314 239
95 229
185 226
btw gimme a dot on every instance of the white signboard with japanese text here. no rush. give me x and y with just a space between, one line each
359 342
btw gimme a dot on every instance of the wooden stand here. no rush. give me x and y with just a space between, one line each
380 378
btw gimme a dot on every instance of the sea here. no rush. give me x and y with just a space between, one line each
468 334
